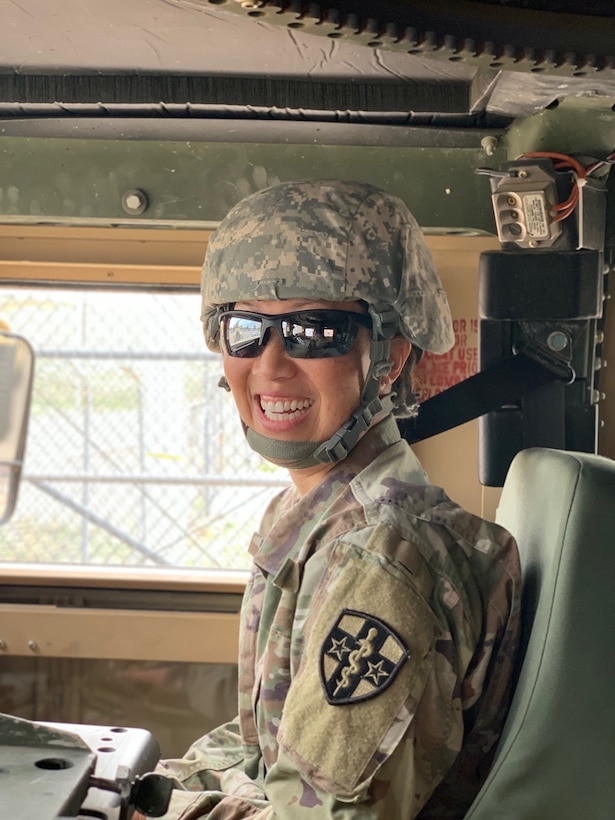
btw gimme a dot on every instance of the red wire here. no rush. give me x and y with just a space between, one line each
566 208
571 161
568 203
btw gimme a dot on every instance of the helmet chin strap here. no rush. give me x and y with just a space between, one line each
299 455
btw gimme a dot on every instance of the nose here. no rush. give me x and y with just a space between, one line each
274 361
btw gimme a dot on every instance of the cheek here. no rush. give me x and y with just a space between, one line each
229 371
343 381
236 373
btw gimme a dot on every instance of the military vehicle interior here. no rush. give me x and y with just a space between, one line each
128 129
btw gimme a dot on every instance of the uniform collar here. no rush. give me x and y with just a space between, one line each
290 518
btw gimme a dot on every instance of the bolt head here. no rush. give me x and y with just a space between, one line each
557 341
135 202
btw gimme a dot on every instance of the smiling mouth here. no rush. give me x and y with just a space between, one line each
284 410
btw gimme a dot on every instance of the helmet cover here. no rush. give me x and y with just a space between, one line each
327 240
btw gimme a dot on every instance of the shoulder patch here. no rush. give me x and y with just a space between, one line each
359 658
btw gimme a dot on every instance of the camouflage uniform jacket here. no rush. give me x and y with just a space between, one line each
378 633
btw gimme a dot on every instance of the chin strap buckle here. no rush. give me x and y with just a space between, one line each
385 323
341 443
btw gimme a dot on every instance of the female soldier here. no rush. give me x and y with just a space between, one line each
379 625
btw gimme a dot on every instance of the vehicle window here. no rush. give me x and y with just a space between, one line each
135 456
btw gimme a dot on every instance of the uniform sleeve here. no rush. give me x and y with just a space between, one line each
215 762
372 720
211 775
393 793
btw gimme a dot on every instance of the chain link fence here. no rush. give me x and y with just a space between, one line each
135 456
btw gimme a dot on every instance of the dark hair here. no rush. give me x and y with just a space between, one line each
406 404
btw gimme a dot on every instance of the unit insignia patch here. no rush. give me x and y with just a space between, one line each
359 658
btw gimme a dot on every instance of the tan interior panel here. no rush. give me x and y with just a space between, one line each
451 458
129 634
94 255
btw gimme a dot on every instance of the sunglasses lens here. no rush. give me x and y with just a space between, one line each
318 334
241 335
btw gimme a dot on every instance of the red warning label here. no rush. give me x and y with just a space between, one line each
437 373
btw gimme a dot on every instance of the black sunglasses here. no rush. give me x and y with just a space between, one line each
305 334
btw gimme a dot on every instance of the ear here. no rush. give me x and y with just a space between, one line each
400 350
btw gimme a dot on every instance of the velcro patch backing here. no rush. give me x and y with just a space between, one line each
332 746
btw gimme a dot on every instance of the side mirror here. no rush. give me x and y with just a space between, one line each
16 374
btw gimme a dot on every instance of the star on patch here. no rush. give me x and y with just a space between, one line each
338 648
376 672
360 657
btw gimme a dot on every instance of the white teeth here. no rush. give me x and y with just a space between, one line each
285 409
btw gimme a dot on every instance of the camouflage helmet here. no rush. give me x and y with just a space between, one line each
330 240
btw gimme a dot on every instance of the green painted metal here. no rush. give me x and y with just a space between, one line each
78 180
45 772
191 182
576 125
